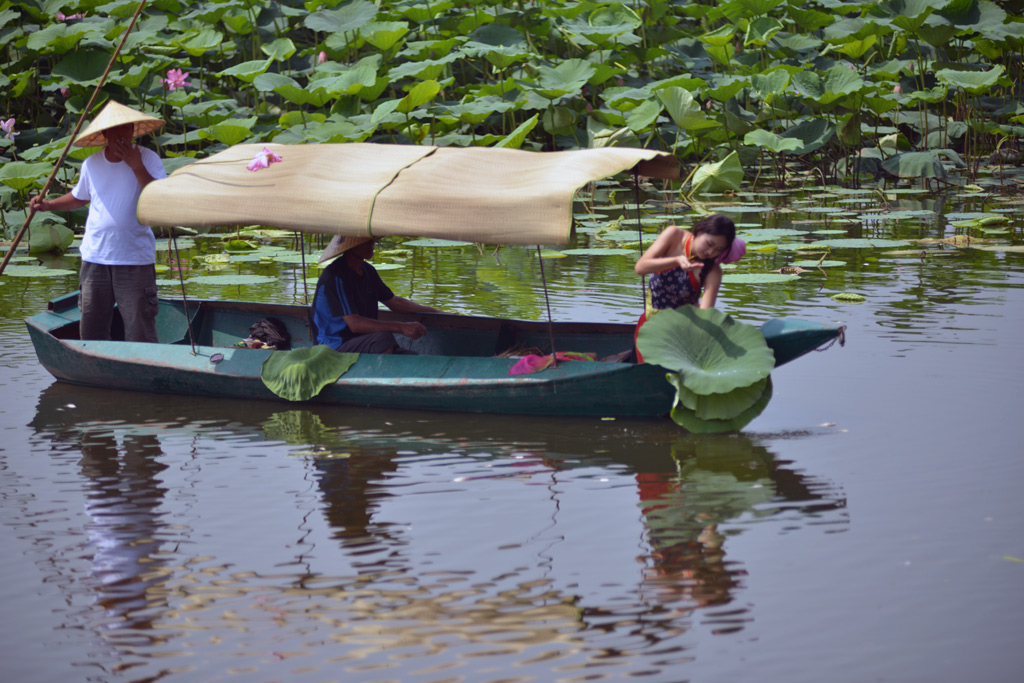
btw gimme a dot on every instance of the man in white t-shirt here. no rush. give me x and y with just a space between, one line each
118 253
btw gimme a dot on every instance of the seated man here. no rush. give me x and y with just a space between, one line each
345 302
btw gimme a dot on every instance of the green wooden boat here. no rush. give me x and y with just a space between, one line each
484 195
462 364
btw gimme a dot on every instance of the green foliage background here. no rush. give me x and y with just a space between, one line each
843 88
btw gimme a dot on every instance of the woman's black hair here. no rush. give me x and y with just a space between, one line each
718 225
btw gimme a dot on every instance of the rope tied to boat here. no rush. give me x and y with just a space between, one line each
840 337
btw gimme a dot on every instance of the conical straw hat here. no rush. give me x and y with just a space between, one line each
112 115
339 245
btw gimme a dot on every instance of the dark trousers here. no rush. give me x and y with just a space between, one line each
132 288
374 342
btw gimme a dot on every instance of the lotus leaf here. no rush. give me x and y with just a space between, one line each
718 177
849 298
21 176
769 234
812 135
915 165
516 138
810 263
247 71
771 83
773 142
863 243
232 280
686 418
301 374
279 50
565 79
975 82
758 278
82 67
36 271
598 251
431 242
717 406
50 237
761 30
683 109
349 17
202 42
713 352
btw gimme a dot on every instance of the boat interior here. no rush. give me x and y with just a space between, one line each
227 323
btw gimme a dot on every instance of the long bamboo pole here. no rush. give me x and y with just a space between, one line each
74 134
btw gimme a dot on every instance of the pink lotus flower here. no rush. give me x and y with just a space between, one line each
897 89
263 160
66 92
8 127
176 79
62 17
321 58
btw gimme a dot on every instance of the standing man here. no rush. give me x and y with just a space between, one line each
345 302
118 253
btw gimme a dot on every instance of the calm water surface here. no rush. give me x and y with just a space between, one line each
866 527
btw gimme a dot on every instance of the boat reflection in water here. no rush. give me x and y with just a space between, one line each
456 535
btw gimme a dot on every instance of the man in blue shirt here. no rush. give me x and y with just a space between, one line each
346 298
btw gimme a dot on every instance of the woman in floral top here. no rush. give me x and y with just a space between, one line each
682 263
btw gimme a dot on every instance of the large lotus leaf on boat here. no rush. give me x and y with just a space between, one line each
714 353
686 418
717 406
300 374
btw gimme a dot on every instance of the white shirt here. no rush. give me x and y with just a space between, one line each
113 234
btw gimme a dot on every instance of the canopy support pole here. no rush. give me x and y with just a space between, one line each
302 251
640 238
547 302
184 297
71 139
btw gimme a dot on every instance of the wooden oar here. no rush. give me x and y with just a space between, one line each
74 133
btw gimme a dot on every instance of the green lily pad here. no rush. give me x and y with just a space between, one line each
182 242
721 176
50 237
434 243
717 406
1008 248
231 279
301 374
686 418
212 259
810 263
769 234
869 243
598 251
758 278
240 246
626 236
36 271
849 298
714 353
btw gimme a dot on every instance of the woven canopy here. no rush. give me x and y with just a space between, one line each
476 194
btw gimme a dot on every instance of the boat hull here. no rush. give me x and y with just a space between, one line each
461 365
